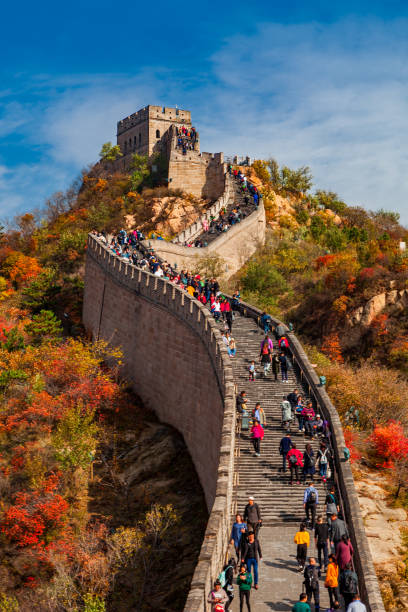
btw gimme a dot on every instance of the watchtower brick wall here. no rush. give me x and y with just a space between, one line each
144 132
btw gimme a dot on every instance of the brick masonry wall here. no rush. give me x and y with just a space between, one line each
363 561
187 380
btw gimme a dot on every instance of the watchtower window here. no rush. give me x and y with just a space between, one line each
125 146
140 139
135 142
157 133
130 143
163 109
177 111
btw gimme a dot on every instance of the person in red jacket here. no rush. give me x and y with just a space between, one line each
257 433
295 461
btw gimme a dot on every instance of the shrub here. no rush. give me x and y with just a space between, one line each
44 327
75 439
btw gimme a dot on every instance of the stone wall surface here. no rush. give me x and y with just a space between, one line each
363 562
178 364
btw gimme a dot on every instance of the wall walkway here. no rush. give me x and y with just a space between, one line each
189 383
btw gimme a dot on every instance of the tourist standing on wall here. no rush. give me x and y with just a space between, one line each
257 434
238 529
286 413
311 582
251 554
322 542
302 541
284 447
332 580
295 462
252 515
310 501
283 362
348 585
217 596
244 582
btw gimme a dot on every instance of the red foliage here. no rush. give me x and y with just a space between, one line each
366 273
34 514
390 443
349 438
379 324
323 261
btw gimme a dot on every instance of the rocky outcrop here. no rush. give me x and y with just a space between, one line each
363 316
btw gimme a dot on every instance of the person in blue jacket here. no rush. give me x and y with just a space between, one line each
238 528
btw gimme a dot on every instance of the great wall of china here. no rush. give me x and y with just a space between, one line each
191 384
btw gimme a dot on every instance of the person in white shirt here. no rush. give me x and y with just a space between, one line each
356 605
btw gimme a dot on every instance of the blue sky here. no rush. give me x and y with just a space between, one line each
317 83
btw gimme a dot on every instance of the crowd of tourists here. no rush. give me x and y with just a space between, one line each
322 524
186 138
325 527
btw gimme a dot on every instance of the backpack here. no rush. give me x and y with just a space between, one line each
311 498
292 459
265 348
323 458
222 576
349 583
310 577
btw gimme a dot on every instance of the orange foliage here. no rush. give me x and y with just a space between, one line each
24 269
331 348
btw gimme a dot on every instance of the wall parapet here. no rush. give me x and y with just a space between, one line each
363 562
197 318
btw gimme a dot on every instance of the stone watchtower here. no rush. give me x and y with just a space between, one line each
145 132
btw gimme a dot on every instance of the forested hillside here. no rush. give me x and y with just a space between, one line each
93 490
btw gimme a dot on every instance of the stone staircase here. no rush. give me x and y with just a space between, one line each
236 200
261 476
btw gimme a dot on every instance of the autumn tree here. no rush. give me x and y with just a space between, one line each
331 347
391 445
110 152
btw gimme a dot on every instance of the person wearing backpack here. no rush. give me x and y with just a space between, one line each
217 597
332 580
348 585
266 358
310 501
286 413
302 541
226 579
322 542
295 462
283 362
322 457
337 529
244 582
308 463
284 447
311 582
332 506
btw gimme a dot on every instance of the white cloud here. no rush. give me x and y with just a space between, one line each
334 98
